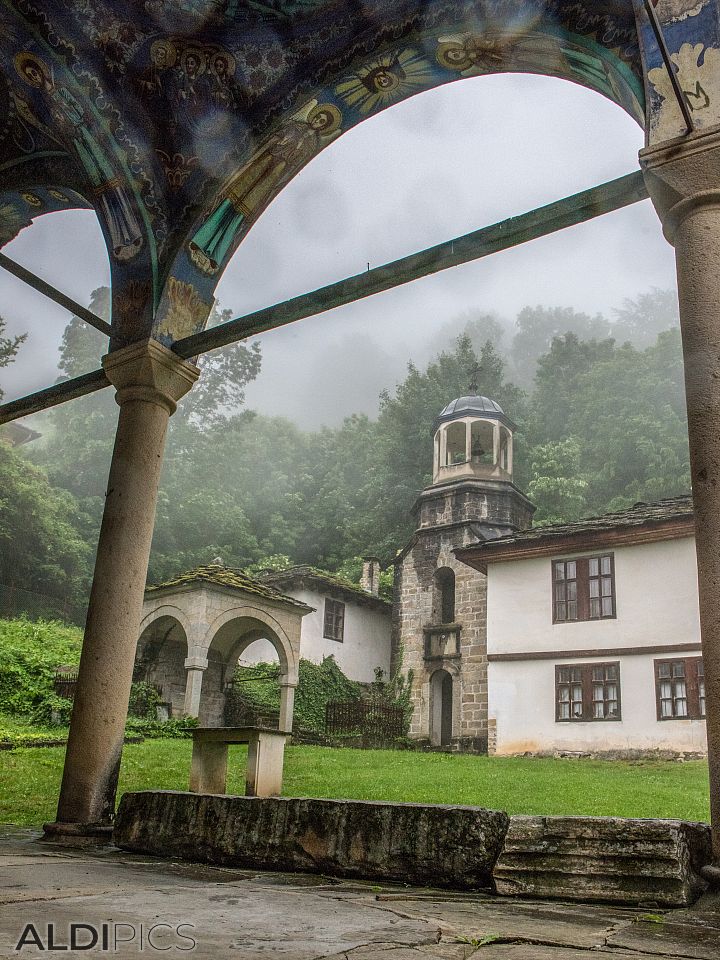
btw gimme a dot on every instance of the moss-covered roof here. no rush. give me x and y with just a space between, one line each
322 580
220 575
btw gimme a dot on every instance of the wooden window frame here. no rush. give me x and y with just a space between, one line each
581 586
334 620
587 682
694 677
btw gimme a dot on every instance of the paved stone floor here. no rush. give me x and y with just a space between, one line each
244 914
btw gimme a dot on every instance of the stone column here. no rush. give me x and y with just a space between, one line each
683 178
149 380
196 667
287 705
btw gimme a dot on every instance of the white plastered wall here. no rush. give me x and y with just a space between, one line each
656 599
365 646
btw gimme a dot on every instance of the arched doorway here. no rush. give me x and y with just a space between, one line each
441 708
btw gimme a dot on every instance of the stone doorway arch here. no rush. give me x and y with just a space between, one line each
441 708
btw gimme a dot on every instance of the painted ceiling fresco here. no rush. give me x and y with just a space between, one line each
178 122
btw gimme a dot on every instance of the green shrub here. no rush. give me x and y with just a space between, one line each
20 733
30 652
53 710
144 699
177 728
317 684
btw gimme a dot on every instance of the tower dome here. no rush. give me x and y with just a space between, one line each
473 406
473 438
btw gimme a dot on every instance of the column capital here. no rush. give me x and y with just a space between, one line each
149 371
196 663
683 176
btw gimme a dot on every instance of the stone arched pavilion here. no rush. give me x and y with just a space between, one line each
196 626
178 122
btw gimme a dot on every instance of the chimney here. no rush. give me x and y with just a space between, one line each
370 580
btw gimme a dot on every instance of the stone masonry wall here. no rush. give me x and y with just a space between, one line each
483 501
414 610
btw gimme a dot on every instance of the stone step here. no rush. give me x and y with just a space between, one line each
441 846
605 859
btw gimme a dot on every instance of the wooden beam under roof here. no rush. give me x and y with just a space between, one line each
541 222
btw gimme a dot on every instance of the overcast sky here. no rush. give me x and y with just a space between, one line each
437 166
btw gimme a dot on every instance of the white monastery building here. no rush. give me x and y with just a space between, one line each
573 638
593 634
580 637
349 623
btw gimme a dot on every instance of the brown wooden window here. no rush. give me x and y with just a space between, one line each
680 689
583 589
587 691
334 625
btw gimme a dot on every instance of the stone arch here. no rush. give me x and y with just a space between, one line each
532 41
287 653
163 645
225 639
167 610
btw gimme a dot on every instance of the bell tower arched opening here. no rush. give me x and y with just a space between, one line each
444 596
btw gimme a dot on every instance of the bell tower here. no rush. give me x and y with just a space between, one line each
472 478
439 613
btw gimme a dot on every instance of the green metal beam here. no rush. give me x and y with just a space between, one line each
52 396
47 290
473 246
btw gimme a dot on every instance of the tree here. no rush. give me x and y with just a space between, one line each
9 347
608 426
40 548
479 325
631 414
196 520
559 383
537 327
558 488
642 320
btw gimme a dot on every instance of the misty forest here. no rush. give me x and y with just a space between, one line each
599 403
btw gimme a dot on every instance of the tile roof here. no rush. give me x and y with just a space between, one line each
640 517
323 579
218 573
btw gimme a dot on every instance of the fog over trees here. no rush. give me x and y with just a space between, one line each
599 403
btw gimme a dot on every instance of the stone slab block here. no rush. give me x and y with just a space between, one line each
442 846
604 859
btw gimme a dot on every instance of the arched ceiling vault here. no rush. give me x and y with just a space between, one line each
178 122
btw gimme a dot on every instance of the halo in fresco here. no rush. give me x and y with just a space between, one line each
384 80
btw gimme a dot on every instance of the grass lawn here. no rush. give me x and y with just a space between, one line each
30 780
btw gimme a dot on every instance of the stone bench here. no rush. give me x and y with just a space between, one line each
609 859
266 754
